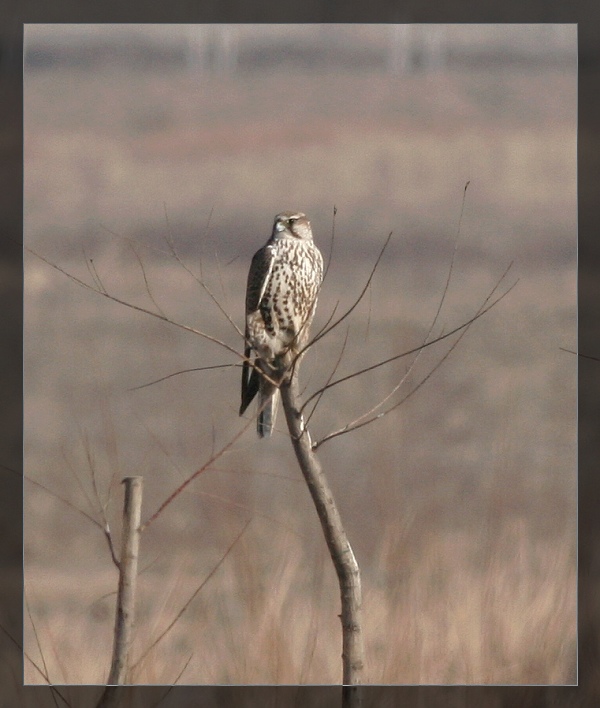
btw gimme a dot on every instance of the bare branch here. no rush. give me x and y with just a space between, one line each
92 466
358 422
158 315
45 672
184 371
348 312
65 501
244 507
583 356
199 280
179 675
129 239
223 500
475 317
111 547
198 472
105 529
331 316
150 295
125 609
339 547
89 263
101 506
329 257
174 683
369 311
221 281
331 375
450 269
326 329
137 308
80 484
46 678
191 598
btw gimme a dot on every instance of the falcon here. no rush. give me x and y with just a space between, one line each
281 297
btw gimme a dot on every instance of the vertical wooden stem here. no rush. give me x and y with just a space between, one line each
130 544
339 547
125 612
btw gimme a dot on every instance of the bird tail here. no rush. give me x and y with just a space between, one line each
268 402
250 382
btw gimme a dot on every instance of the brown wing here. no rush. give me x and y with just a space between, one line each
258 275
250 382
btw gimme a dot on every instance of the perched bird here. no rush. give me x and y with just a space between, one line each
281 297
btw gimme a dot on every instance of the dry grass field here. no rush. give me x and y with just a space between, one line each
460 504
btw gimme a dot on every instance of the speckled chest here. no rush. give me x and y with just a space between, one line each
292 285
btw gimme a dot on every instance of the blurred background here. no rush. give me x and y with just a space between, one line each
460 503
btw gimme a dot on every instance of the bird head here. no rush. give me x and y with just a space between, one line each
292 224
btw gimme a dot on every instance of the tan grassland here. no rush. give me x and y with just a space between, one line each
460 504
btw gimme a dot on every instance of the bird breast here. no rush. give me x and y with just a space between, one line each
288 299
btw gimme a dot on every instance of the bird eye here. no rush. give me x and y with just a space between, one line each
293 219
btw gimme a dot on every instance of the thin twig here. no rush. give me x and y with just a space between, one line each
144 310
359 423
110 437
105 529
184 371
454 251
137 308
356 302
146 283
244 507
359 420
92 467
45 673
129 239
330 255
111 547
223 500
65 501
89 264
179 675
326 329
101 506
415 349
369 311
46 678
80 484
194 594
331 375
220 275
174 683
330 318
199 280
583 356
198 472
